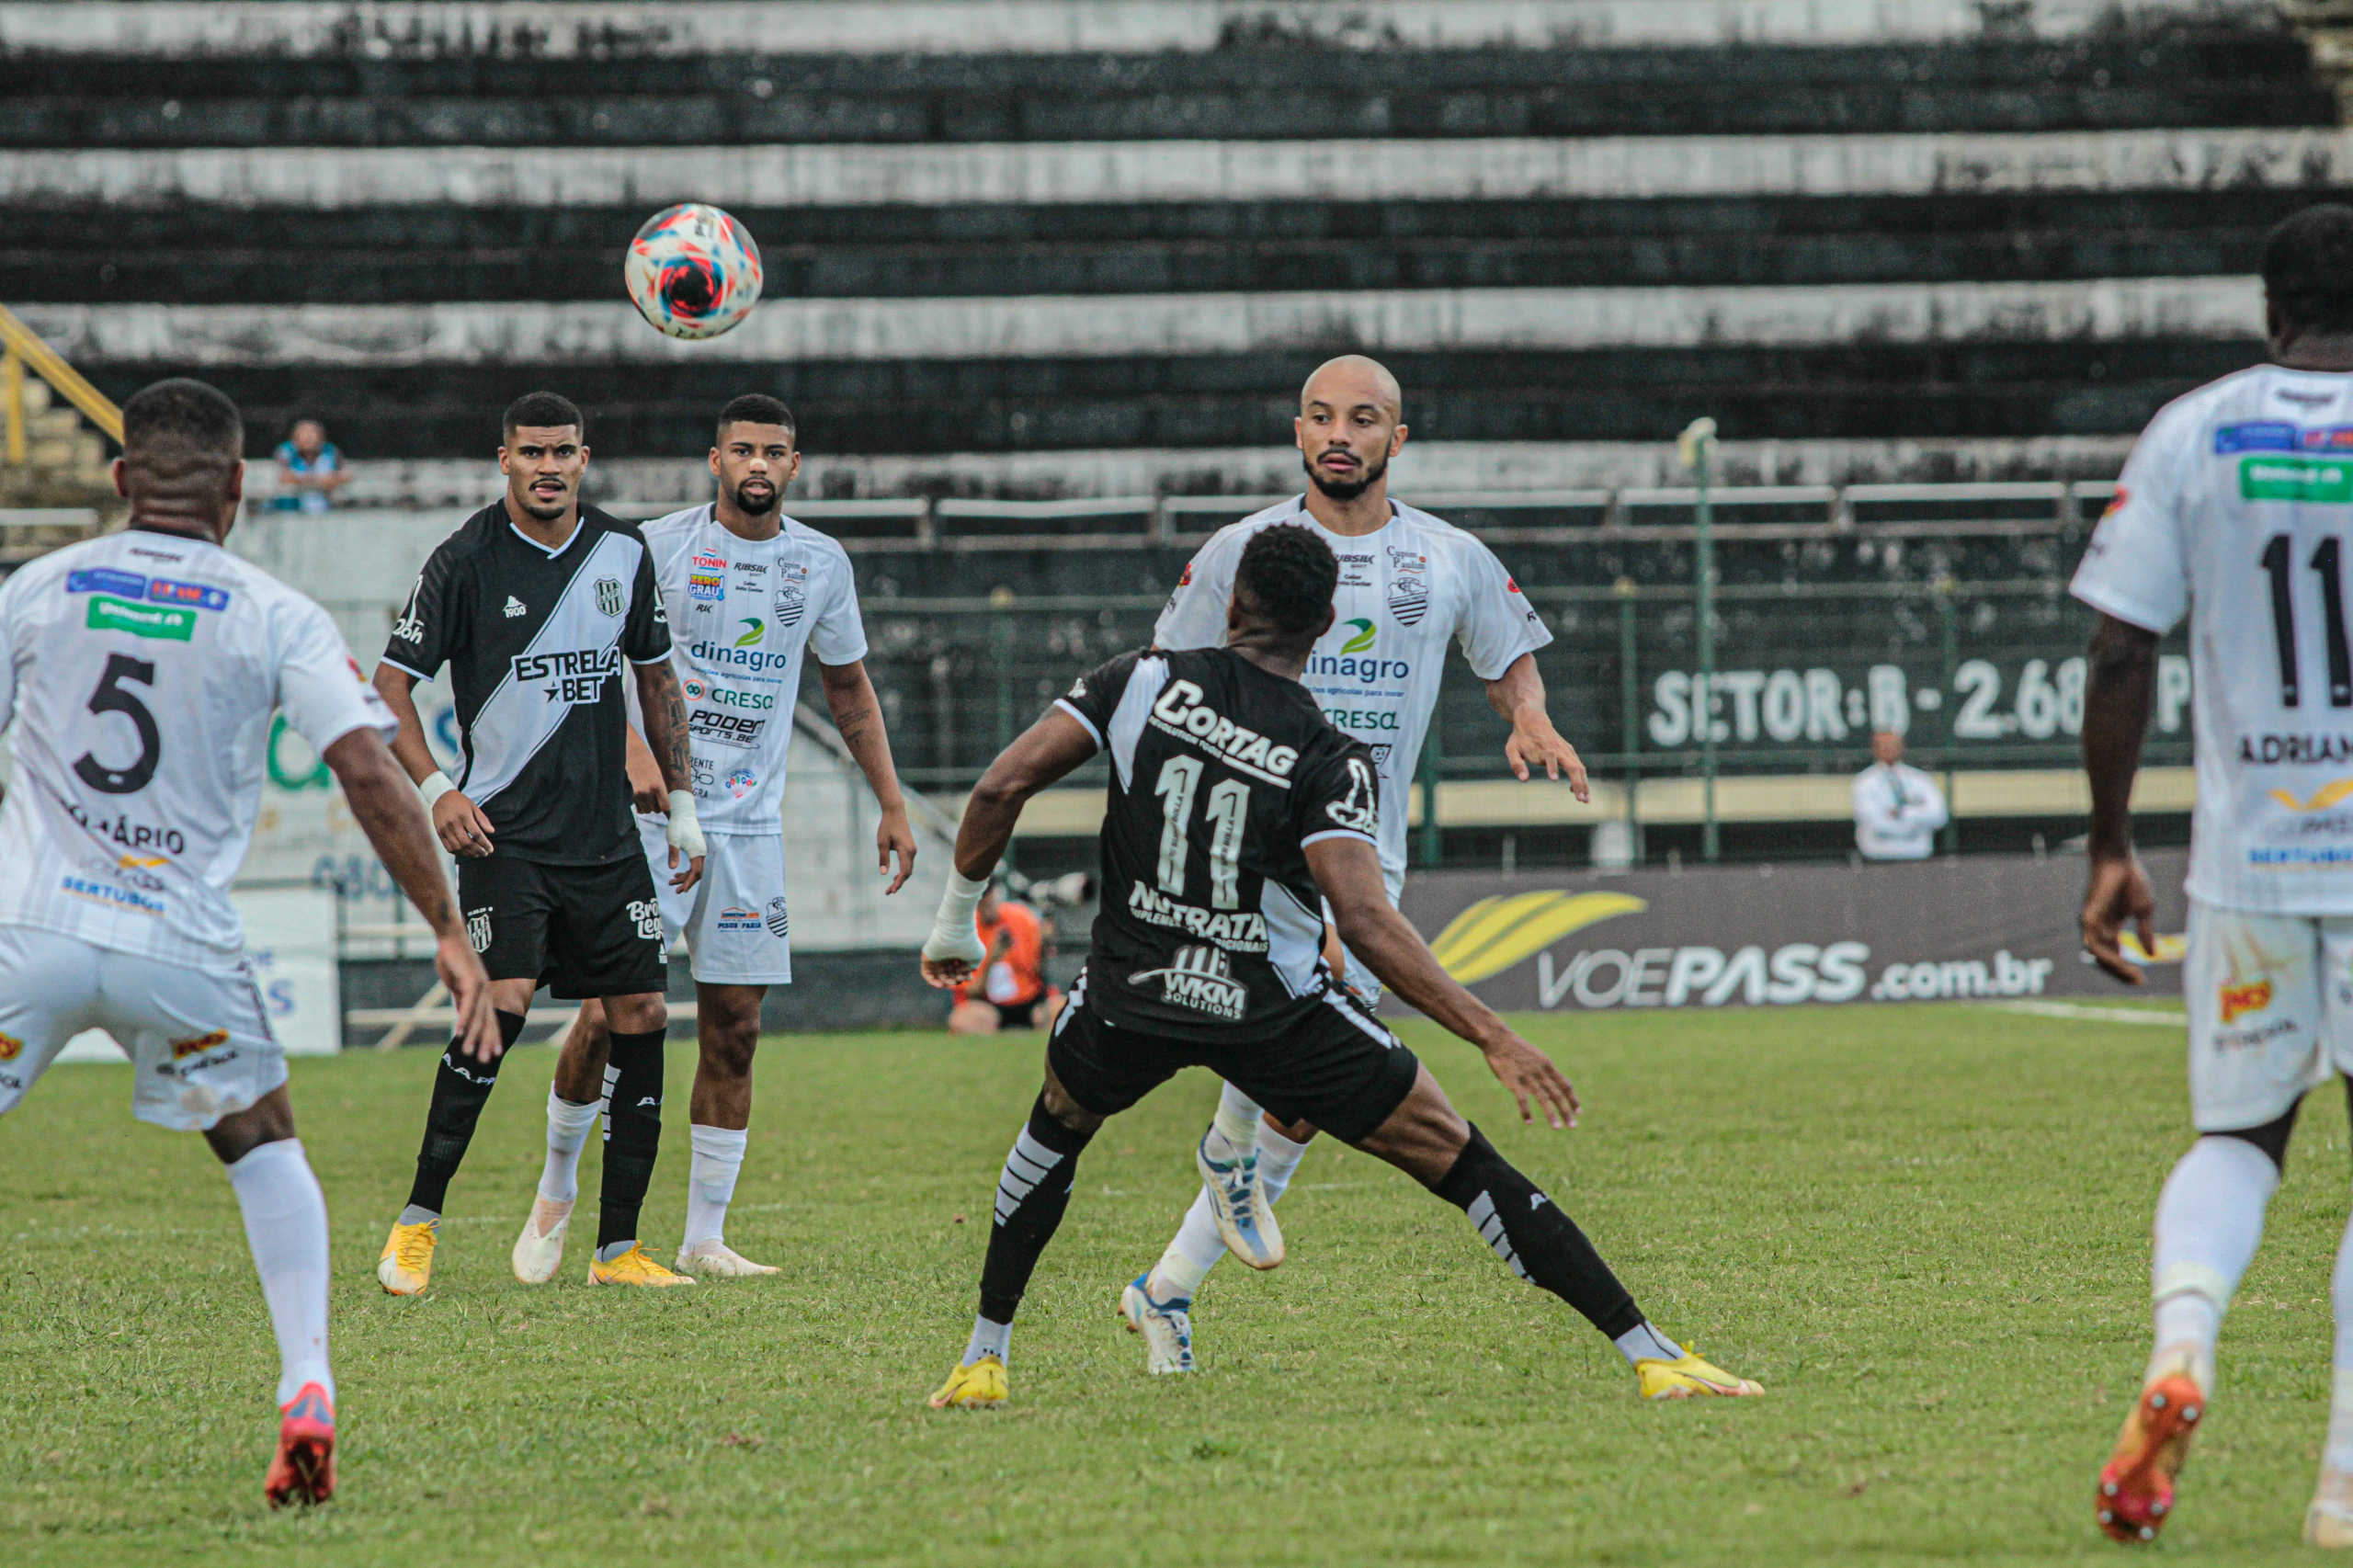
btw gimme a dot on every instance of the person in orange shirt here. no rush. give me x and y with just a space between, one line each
1009 991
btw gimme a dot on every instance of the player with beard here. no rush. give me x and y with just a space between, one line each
1409 583
535 604
1233 811
749 591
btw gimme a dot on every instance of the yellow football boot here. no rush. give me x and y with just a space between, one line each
635 1266
405 1267
980 1386
2135 1494
1691 1375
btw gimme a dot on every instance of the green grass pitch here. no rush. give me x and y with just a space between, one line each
1924 1229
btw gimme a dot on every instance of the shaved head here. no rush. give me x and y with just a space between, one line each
1352 379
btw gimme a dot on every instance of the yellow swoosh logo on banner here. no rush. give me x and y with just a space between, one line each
2322 798
1497 932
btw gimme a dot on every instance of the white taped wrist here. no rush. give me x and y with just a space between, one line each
952 934
436 784
684 832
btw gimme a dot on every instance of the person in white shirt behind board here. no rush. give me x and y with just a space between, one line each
1897 808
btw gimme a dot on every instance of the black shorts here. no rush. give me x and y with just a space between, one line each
1340 1068
581 930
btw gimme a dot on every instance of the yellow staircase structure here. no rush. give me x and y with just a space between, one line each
54 481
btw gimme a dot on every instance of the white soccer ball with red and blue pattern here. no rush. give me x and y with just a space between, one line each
693 271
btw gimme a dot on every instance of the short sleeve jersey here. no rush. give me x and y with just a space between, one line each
742 613
2234 510
1404 592
139 675
1212 927
534 640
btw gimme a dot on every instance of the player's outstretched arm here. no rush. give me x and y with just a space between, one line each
2119 689
1518 695
1040 758
457 821
386 806
664 707
1349 870
858 715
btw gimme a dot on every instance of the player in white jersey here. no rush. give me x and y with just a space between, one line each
2236 509
138 675
1409 585
749 591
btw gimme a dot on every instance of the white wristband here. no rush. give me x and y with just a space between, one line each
437 784
952 935
685 833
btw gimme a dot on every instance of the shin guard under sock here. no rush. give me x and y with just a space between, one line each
632 1133
461 1087
1032 1194
1528 1232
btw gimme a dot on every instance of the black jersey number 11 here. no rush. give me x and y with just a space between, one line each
2327 565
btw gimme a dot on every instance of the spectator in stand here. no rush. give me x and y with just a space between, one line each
310 470
1897 808
1008 990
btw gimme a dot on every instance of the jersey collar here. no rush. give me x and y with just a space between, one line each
579 525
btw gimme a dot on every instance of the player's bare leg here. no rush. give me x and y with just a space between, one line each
286 1226
575 1099
973 1017
1427 1138
727 1029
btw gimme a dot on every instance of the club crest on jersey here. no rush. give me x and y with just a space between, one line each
1182 712
791 600
478 928
780 921
1409 585
1358 810
609 597
1200 978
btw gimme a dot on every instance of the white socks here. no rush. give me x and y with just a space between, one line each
1198 1246
1236 1125
2210 1219
568 1129
286 1226
2337 1454
710 1182
989 1339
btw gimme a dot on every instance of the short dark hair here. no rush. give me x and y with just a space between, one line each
1288 574
759 408
2308 268
542 410
182 424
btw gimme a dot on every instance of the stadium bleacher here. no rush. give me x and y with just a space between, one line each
1084 253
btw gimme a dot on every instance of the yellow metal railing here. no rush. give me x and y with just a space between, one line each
21 349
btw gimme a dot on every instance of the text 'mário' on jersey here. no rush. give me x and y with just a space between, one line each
535 640
1212 926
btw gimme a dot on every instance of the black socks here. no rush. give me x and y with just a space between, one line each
632 1133
1528 1232
1032 1194
461 1088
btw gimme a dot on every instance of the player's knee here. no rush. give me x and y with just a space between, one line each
973 1017
641 1014
727 1044
2272 1136
1057 1103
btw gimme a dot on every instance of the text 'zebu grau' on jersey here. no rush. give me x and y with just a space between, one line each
535 639
1404 591
138 675
741 613
1212 926
2237 508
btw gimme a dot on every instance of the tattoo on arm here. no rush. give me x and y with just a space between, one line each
665 725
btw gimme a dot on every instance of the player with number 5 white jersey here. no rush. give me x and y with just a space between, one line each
139 673
1409 585
2236 512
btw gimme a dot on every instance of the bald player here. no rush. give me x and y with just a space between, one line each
1409 583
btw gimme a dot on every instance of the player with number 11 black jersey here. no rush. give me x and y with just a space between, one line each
1234 812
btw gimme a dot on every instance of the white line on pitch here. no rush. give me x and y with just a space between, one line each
2093 1015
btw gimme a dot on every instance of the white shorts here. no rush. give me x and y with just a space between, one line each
735 921
2271 1012
199 1038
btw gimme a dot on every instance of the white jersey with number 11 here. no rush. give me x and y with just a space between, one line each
2236 509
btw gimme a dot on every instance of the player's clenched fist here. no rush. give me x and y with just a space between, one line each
461 826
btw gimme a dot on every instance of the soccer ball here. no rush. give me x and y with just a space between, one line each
693 271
